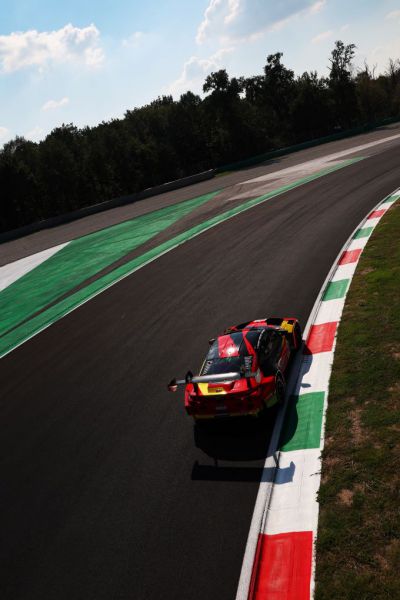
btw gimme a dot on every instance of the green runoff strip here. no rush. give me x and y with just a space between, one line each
31 327
83 258
303 422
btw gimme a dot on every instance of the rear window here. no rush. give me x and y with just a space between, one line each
234 364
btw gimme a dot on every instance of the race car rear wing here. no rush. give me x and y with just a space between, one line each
215 378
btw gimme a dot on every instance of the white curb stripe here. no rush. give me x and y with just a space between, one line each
344 272
358 243
331 310
290 507
314 373
371 222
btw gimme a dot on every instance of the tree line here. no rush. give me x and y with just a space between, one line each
239 117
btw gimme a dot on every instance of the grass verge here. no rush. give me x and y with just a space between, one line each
358 545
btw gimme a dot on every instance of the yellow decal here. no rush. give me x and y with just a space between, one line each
207 391
287 326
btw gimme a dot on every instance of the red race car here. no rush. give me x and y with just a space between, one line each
244 370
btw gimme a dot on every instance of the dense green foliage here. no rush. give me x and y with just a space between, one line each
167 139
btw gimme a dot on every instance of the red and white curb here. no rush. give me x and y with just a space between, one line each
279 561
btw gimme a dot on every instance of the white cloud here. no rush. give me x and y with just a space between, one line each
196 69
212 13
52 104
248 19
93 57
3 132
316 7
35 134
394 14
134 39
33 48
321 37
235 9
379 56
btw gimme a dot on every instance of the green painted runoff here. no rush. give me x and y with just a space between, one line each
82 258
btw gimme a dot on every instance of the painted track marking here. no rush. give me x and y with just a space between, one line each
17 269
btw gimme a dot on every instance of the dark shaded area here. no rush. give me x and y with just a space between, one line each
291 419
166 139
100 493
265 474
235 439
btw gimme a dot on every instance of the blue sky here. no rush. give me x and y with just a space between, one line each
87 61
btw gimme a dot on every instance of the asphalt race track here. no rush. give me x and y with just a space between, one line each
104 492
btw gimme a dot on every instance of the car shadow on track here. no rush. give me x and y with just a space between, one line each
247 440
261 474
236 440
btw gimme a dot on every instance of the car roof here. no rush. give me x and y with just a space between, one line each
237 343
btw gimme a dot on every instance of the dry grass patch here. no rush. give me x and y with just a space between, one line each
356 428
395 389
366 271
346 497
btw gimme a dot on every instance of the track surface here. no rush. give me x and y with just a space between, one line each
104 494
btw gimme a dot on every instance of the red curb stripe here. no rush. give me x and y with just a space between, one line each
321 338
282 567
377 213
350 256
